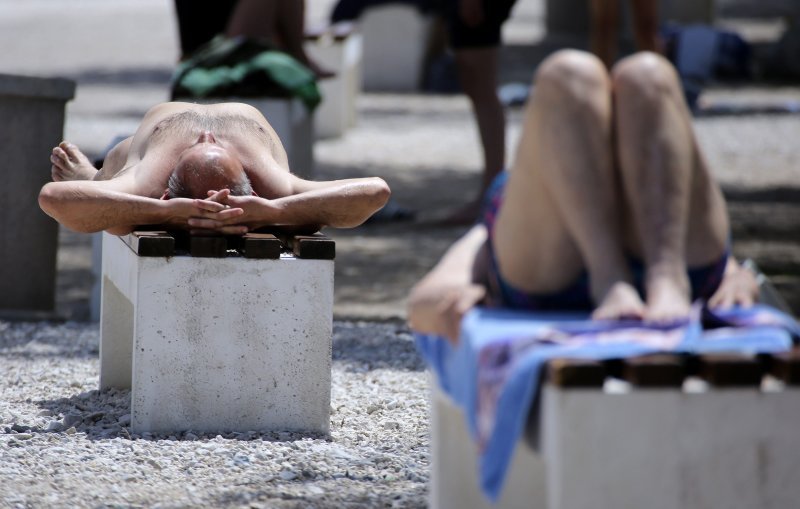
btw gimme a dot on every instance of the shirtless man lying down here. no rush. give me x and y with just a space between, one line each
216 168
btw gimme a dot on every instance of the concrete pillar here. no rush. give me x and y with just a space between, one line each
217 344
32 113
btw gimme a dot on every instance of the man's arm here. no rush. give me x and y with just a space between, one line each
440 300
338 203
91 206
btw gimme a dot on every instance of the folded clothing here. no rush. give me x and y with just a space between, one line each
241 67
494 372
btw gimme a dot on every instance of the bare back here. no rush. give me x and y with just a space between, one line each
142 164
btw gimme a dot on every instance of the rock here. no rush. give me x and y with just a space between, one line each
287 475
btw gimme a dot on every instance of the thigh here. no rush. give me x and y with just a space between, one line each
532 246
115 160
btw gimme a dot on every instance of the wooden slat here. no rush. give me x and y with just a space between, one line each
208 247
731 370
313 247
260 245
152 243
575 373
786 367
661 370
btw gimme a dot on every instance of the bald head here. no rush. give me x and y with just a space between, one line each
205 166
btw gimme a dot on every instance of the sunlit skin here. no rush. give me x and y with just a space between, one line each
131 187
607 168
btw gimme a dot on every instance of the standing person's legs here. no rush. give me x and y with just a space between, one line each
474 29
677 213
645 25
255 19
560 214
477 74
604 26
280 22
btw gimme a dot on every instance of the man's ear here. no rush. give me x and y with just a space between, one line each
165 196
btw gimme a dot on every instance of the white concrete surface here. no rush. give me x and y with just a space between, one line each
338 110
454 466
217 344
395 42
653 448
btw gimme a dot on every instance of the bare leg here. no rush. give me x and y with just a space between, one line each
477 73
561 209
280 22
645 25
115 160
69 163
666 183
255 19
604 29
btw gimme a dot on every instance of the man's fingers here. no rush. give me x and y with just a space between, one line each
209 205
219 196
229 213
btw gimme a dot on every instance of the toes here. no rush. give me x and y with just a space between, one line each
74 153
59 158
56 174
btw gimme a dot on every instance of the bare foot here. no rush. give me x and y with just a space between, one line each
620 301
667 299
69 163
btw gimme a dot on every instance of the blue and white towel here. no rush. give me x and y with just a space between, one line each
494 372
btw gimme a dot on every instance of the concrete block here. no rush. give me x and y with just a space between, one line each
343 55
620 446
292 122
454 466
32 110
395 44
217 344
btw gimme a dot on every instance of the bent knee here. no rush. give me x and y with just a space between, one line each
573 72
644 74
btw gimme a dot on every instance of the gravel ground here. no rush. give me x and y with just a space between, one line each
63 443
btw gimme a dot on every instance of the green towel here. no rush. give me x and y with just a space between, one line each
241 67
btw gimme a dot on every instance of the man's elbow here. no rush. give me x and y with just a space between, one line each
48 200
54 203
380 192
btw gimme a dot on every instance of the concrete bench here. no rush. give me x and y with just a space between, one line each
32 110
653 432
339 49
396 40
219 333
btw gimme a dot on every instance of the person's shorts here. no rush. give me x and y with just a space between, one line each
487 34
575 297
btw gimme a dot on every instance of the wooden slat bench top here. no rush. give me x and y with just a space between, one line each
160 243
671 370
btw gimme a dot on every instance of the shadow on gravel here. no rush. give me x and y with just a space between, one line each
364 347
105 415
346 492
37 340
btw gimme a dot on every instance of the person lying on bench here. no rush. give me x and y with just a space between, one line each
204 168
609 207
